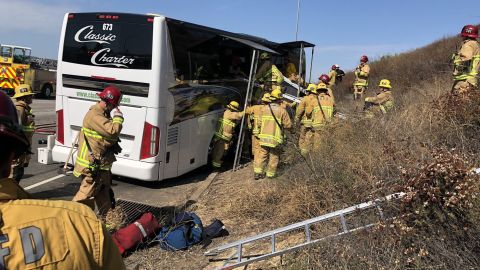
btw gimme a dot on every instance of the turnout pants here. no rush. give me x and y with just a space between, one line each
358 91
305 140
255 145
219 148
267 156
96 190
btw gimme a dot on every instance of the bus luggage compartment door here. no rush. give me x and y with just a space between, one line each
172 151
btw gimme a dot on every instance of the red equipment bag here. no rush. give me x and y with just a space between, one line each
135 233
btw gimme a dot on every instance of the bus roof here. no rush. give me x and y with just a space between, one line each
252 41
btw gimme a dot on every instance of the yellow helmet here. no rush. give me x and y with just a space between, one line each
322 85
312 88
385 84
266 97
276 94
264 55
233 105
23 90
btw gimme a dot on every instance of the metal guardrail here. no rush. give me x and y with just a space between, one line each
306 226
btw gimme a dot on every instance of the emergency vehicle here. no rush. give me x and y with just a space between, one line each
17 67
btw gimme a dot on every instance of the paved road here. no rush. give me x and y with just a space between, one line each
165 193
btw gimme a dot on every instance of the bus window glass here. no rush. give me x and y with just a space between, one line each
6 51
205 56
114 44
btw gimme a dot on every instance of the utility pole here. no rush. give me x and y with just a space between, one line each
298 17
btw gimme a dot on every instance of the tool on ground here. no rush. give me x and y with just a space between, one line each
310 230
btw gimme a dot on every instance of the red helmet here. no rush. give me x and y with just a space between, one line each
470 31
324 78
364 59
9 126
334 67
111 95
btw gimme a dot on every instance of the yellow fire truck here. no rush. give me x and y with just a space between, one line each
17 67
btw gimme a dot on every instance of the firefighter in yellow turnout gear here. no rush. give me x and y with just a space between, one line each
23 98
97 145
322 113
273 120
467 61
332 75
253 113
362 72
44 234
268 76
224 134
304 115
382 102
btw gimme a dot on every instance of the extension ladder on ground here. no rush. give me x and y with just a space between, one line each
308 229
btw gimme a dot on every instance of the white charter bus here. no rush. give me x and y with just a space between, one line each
176 79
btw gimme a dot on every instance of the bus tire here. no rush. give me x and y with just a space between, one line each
47 91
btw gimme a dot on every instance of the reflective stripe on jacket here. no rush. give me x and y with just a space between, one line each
271 74
226 124
253 113
384 100
467 62
271 134
305 109
323 111
361 75
102 133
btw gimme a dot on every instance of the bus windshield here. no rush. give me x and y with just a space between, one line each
119 41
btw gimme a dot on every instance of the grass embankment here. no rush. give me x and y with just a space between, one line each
425 147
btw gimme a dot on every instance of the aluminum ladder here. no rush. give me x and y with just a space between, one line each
237 259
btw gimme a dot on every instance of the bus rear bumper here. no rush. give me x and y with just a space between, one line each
145 171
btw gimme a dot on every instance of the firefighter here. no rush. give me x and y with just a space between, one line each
322 113
23 99
303 115
291 70
467 61
273 121
333 76
268 75
325 79
98 143
283 103
362 72
224 134
253 122
382 102
38 234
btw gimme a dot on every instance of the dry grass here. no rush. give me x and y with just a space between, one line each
367 158
410 149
